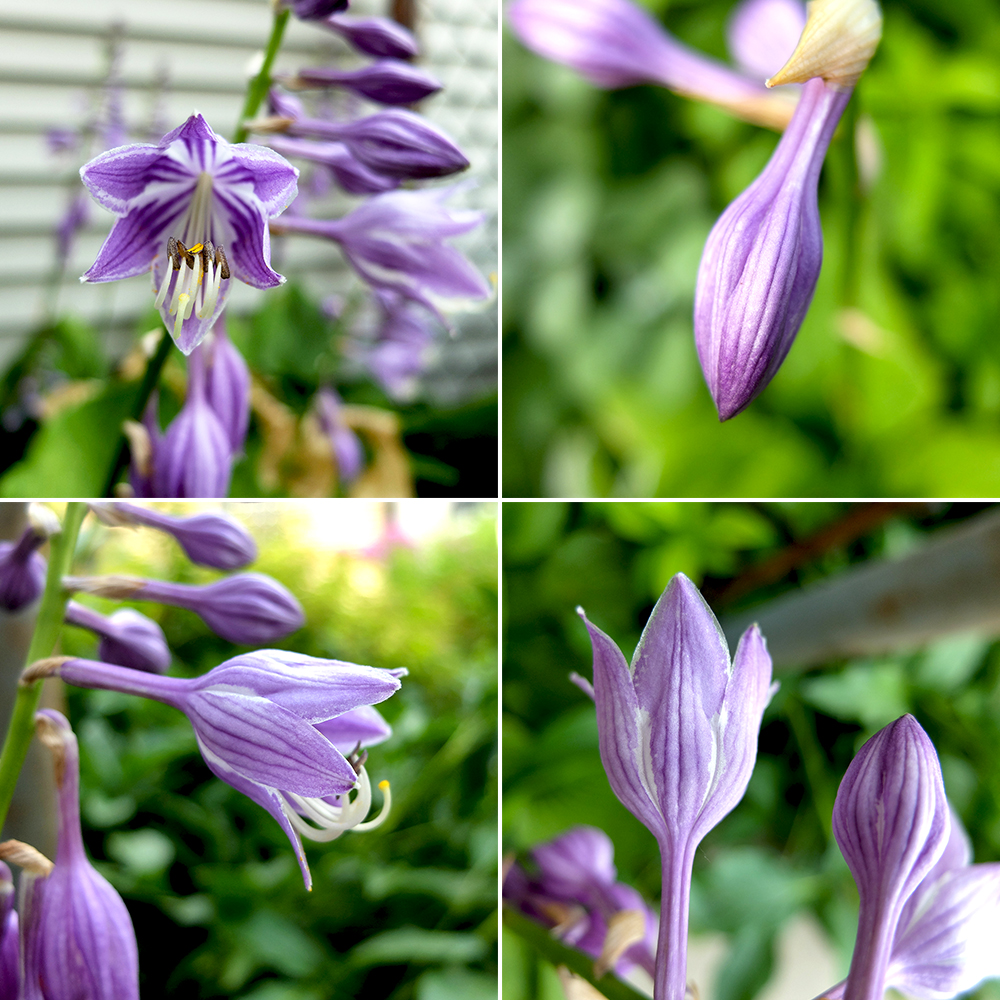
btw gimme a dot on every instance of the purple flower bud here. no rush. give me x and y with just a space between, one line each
210 539
315 10
10 973
194 458
352 175
387 81
394 142
78 936
891 821
375 36
762 259
228 388
22 570
399 352
348 452
144 440
128 638
248 608
256 718
678 738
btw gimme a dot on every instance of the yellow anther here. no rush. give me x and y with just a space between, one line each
197 248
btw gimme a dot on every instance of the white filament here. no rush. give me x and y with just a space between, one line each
334 820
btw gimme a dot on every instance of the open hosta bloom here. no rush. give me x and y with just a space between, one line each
762 259
891 822
258 718
678 738
194 208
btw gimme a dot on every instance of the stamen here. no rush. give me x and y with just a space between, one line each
335 820
197 287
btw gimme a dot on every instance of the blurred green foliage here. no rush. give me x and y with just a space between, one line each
773 858
608 199
292 348
406 911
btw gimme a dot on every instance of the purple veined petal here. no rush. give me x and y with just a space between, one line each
362 726
762 34
273 177
128 638
266 743
134 242
375 36
619 728
891 822
387 81
194 459
117 177
352 175
762 260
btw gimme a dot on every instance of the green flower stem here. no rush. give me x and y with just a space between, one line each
258 88
149 381
558 954
43 643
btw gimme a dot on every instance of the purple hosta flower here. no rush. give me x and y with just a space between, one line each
399 351
352 175
394 142
387 81
348 452
248 608
615 43
209 539
576 892
396 242
228 388
375 36
315 10
891 821
256 718
678 737
361 727
10 973
194 459
144 440
128 638
763 256
78 936
195 209
945 941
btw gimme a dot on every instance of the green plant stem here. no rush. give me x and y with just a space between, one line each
149 382
43 643
558 954
260 84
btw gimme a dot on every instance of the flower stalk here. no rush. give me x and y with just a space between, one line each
260 84
43 643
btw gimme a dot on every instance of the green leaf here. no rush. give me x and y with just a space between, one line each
416 944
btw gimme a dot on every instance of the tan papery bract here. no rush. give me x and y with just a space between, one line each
839 39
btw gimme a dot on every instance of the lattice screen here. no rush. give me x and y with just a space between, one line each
186 55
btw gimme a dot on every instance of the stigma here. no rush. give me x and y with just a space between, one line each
193 282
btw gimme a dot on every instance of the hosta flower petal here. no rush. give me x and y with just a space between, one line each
359 727
762 34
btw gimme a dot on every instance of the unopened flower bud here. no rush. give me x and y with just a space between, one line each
315 10
387 81
78 936
128 638
228 388
210 539
247 608
22 570
10 973
375 36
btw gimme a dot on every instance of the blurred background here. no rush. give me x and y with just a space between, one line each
893 385
774 907
73 72
406 911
